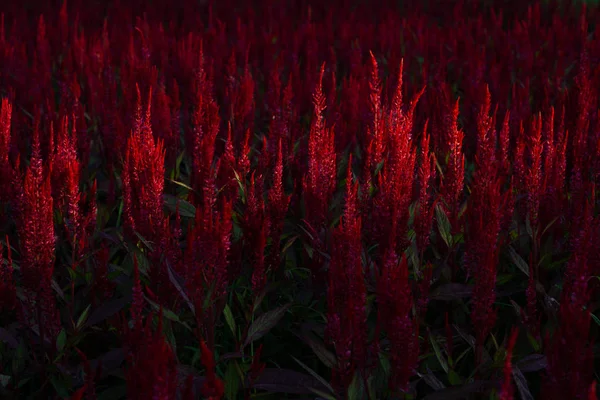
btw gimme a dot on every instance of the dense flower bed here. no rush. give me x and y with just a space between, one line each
299 199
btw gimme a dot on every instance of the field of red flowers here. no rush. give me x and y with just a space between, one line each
299 199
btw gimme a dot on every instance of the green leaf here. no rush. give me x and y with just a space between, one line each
518 260
444 226
57 289
61 340
231 381
521 383
596 319
264 323
83 317
186 209
315 375
356 389
183 185
60 386
168 314
323 395
289 244
549 225
378 167
438 354
119 214
454 378
229 319
144 242
178 164
528 227
319 348
107 310
179 286
451 292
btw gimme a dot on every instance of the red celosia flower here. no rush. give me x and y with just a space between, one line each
482 252
531 317
395 305
213 388
78 395
207 253
570 358
257 367
569 371
90 376
376 139
426 175
259 273
66 170
395 181
226 179
152 368
592 393
319 182
5 168
534 174
506 393
143 180
143 185
35 228
277 208
205 127
8 294
452 185
504 146
346 294
103 287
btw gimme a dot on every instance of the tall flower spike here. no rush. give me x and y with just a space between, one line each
5 169
143 181
504 146
534 176
592 392
213 387
346 294
397 100
319 183
486 141
35 229
376 136
506 393
277 206
152 367
426 175
396 302
8 294
452 185
35 225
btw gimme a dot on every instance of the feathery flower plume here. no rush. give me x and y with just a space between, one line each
395 308
346 294
319 182
452 184
35 229
152 368
506 392
8 294
5 167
